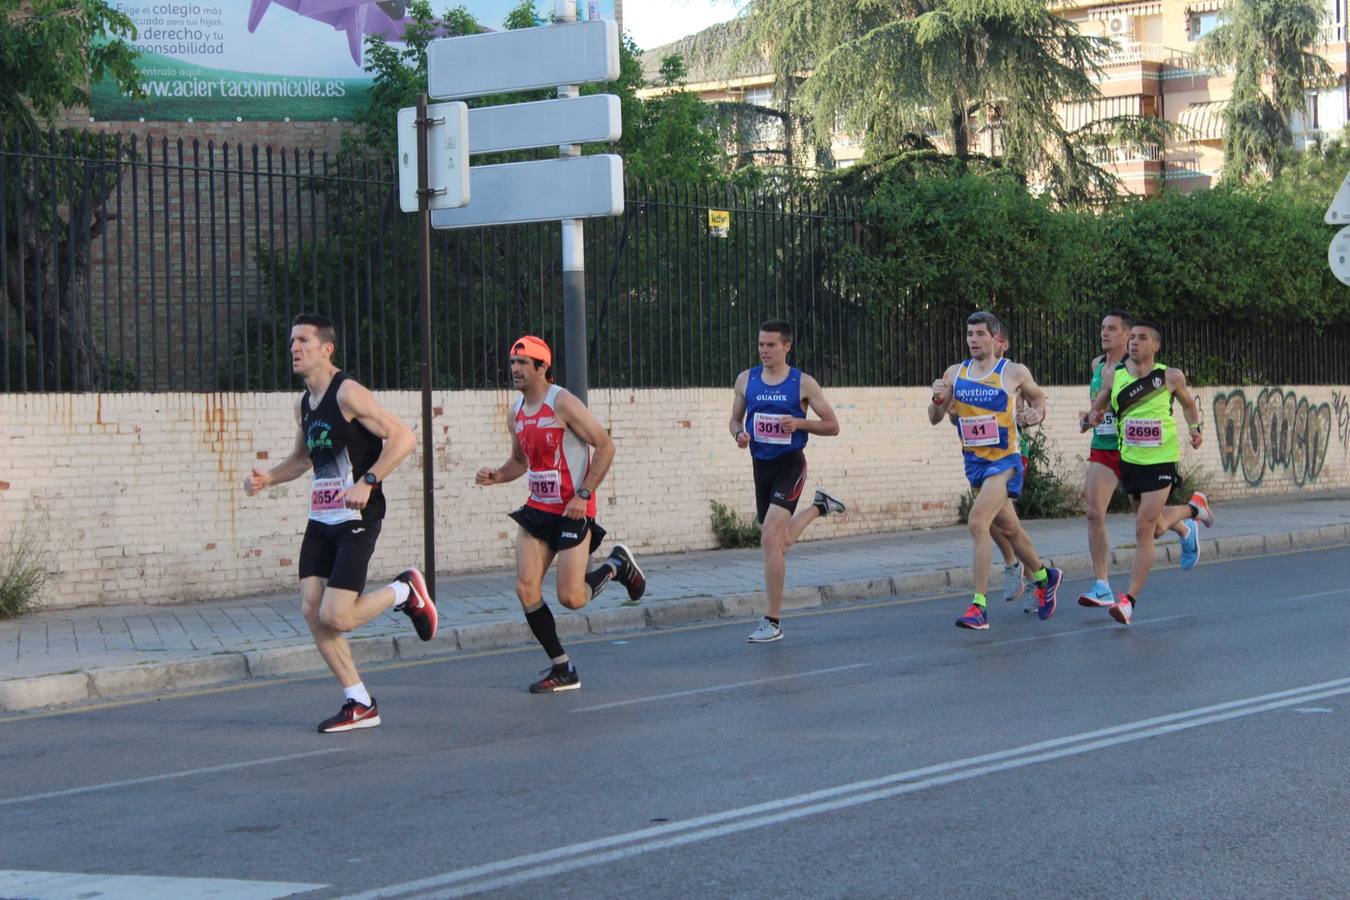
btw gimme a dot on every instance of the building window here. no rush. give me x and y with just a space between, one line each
1202 23
759 97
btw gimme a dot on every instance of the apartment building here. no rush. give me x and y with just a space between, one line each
1151 71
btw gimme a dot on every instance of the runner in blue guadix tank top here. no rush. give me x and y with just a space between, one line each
983 392
768 415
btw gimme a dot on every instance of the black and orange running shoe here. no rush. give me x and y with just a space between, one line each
352 716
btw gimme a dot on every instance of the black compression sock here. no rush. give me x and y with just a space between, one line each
545 630
598 578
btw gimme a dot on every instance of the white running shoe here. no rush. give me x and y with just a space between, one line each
1013 585
828 503
765 632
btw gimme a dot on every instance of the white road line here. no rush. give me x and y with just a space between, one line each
716 688
1097 629
1320 594
149 779
80 886
489 876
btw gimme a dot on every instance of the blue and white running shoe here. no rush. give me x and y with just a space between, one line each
1190 546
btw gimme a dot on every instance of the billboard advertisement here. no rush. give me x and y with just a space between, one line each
274 60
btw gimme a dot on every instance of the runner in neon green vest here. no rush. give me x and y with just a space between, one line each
1103 469
1139 392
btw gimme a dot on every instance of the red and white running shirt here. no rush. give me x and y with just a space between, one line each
558 459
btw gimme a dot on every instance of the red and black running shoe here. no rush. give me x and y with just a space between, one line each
352 716
627 572
419 606
557 678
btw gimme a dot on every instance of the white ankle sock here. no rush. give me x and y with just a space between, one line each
401 591
358 693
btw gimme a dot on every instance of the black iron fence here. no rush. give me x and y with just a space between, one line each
130 264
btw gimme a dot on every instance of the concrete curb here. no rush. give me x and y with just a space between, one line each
65 688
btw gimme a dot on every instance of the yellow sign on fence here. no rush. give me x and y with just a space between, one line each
719 222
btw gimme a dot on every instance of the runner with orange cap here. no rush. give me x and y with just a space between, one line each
553 435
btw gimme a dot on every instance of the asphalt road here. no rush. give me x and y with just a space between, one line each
877 751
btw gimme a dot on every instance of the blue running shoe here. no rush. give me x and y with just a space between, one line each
1190 547
1098 596
1045 596
975 618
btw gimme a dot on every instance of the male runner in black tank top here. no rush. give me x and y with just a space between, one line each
352 444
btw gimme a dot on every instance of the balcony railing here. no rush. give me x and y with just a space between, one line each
1134 52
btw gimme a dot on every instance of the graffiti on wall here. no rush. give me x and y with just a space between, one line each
1340 410
1277 430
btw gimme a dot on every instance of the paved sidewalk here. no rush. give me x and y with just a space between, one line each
70 656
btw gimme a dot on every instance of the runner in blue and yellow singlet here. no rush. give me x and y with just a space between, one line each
982 392
1139 391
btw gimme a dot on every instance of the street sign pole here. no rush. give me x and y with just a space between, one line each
573 260
424 194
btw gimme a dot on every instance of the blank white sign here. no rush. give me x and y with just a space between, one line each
544 190
476 65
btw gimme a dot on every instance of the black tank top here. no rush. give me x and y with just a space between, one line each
340 450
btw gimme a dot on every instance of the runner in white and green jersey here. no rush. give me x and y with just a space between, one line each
1139 391
1103 470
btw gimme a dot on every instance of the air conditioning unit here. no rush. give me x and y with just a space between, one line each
1120 25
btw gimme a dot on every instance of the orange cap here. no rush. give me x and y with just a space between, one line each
533 348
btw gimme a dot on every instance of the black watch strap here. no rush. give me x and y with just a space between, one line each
583 493
370 479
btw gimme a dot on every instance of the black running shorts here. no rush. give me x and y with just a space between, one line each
341 553
779 482
1137 480
559 532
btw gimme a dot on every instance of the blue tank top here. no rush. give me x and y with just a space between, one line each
766 406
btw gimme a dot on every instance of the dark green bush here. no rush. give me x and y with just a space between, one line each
731 530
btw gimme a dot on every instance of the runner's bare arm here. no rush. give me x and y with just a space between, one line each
1102 402
1084 418
737 422
942 395
293 466
1029 391
1176 383
813 398
359 403
574 414
515 465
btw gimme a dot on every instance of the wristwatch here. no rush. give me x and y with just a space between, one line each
583 493
370 479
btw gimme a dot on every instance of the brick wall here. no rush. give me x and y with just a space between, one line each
139 497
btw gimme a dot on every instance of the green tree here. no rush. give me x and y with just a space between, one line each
674 136
399 73
50 52
1265 43
893 69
